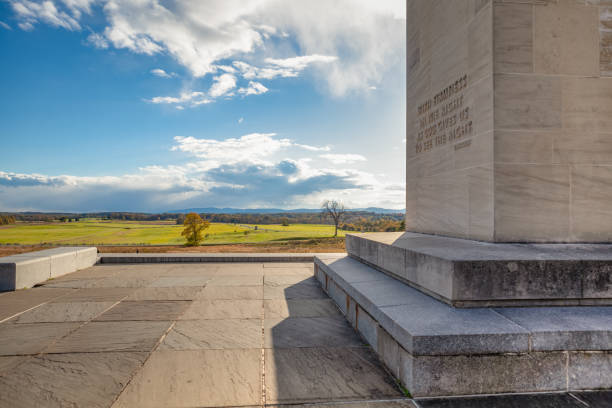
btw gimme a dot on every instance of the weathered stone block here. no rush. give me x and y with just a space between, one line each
590 370
487 374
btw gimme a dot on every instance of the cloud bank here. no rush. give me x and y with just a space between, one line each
254 170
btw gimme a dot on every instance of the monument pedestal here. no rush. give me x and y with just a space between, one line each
508 139
400 291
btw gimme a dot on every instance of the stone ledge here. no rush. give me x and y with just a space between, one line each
466 273
26 270
210 257
436 349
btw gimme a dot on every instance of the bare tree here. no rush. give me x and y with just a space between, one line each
335 210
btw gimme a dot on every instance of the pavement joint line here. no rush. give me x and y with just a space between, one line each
34 307
263 349
490 395
336 402
135 373
571 394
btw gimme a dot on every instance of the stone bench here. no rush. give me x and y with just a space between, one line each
436 349
26 270
466 273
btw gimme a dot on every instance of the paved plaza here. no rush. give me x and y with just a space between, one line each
195 335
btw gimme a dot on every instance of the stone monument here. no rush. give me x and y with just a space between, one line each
509 120
502 282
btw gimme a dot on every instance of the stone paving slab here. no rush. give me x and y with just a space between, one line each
172 293
7 363
223 309
63 380
172 282
112 336
310 332
20 339
305 272
95 295
145 310
214 334
285 280
125 282
275 308
294 292
12 303
196 378
251 280
297 375
232 292
214 269
63 312
74 283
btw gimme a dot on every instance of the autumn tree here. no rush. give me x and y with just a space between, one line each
335 210
194 226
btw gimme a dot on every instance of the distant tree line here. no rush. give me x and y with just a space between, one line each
358 221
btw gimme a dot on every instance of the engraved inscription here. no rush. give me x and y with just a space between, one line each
444 118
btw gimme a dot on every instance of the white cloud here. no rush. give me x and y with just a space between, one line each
283 68
97 40
254 88
194 98
240 120
31 12
197 34
222 85
162 74
4 25
251 148
343 158
299 63
314 148
351 44
77 7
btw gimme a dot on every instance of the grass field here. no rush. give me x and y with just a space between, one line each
98 232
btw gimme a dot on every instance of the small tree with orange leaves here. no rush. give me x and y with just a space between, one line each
194 226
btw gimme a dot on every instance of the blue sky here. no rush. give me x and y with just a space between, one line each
147 105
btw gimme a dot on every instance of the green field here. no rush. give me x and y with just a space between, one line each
98 232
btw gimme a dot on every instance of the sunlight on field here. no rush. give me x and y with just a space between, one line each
98 232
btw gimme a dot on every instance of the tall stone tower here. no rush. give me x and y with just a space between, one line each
509 120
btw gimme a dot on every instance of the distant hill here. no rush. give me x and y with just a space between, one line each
215 210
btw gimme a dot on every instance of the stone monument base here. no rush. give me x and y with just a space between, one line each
399 290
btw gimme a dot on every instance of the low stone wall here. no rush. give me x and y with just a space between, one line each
206 257
26 270
437 350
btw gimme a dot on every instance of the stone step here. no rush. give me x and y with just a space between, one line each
436 349
466 273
